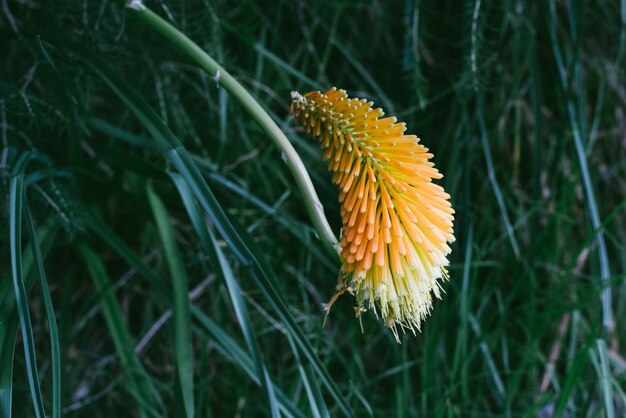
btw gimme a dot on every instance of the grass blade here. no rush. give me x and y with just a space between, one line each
9 323
498 388
182 315
140 384
50 314
606 386
16 190
316 400
9 320
246 326
494 182
213 249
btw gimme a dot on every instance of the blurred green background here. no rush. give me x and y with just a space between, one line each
521 102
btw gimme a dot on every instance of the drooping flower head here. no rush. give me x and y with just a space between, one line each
397 223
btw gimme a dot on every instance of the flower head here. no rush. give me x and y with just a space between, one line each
397 223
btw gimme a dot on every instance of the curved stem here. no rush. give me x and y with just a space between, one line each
221 76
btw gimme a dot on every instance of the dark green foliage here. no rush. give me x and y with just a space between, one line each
522 103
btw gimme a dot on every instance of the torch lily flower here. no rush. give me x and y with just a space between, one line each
396 223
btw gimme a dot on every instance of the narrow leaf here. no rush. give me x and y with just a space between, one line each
52 323
140 383
182 316
16 194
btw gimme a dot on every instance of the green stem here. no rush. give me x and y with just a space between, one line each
221 76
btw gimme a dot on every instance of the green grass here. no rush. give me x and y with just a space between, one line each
157 257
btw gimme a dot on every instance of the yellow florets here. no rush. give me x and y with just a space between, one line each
397 223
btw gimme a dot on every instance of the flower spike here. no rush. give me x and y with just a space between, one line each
397 223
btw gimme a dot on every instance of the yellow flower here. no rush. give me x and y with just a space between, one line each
397 223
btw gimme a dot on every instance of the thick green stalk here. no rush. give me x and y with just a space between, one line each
221 76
